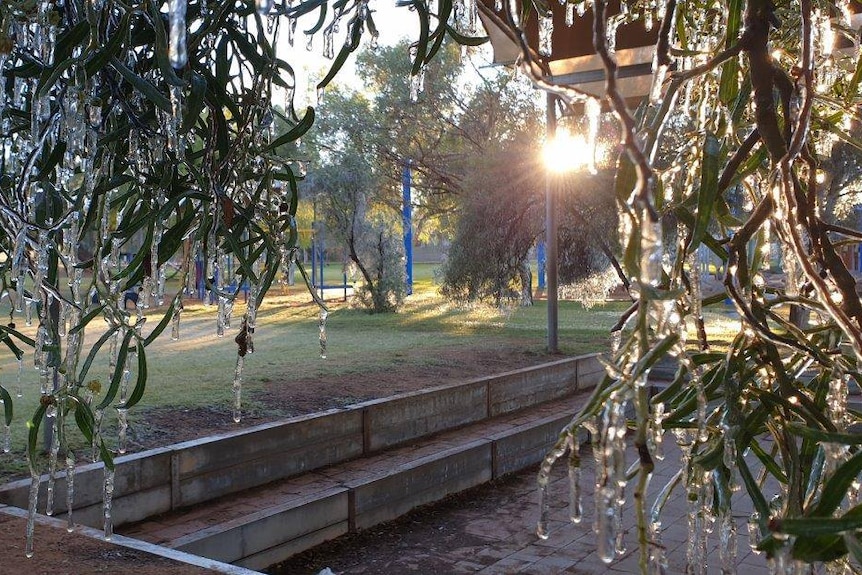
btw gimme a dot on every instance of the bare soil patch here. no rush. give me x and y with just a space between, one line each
58 552
278 399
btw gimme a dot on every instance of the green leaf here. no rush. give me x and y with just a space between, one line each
141 383
91 315
708 190
836 488
33 435
166 319
119 368
84 418
94 350
296 132
809 526
339 61
757 498
822 436
7 405
143 86
729 83
466 40
194 102
109 52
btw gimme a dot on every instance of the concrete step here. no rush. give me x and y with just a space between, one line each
264 525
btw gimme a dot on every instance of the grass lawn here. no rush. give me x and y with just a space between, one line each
196 372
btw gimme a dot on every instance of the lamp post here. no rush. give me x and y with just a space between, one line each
563 153
551 229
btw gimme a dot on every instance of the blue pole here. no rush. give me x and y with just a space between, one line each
408 227
313 262
542 261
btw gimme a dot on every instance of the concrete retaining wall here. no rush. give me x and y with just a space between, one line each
159 480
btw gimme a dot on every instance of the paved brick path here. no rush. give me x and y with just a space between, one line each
491 531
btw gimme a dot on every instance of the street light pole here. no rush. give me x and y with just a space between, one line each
551 230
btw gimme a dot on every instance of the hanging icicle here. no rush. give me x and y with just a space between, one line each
177 43
263 7
33 502
70 489
237 388
321 324
107 499
575 506
546 33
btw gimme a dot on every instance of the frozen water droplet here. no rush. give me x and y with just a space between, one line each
70 489
175 320
7 439
177 44
546 32
575 509
33 501
107 501
263 7
321 323
123 426
606 524
237 389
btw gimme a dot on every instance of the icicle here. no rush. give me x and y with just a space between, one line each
107 498
19 391
727 543
570 14
836 401
695 295
754 531
702 429
729 439
543 480
657 559
593 109
220 321
237 388
263 7
694 525
328 44
291 31
616 341
654 439
97 433
470 17
7 438
659 74
498 5
70 490
172 125
321 324
52 462
123 426
175 320
177 44
417 85
651 249
546 32
33 501
575 508
606 523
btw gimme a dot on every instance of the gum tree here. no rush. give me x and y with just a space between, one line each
151 123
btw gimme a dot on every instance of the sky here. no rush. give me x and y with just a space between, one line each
392 22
